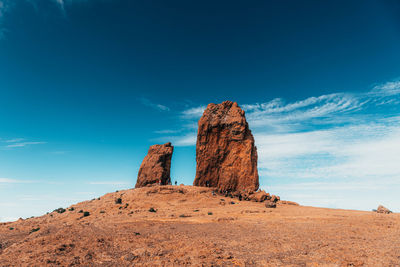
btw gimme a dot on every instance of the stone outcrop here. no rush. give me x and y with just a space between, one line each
270 204
156 166
226 156
259 196
382 209
286 202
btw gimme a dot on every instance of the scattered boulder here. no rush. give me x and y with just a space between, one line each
152 210
259 196
286 202
275 198
226 156
382 209
270 204
60 210
156 166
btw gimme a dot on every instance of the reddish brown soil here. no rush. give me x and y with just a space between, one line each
182 232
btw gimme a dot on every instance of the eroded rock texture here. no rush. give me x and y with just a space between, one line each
382 209
156 166
225 153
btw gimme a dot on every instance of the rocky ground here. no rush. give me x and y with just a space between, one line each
185 225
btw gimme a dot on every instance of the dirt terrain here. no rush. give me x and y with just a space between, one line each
186 225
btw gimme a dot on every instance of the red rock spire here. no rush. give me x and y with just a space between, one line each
226 156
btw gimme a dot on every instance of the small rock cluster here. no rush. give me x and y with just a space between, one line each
382 209
261 196
255 196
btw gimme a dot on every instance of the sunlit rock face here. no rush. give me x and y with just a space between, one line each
226 156
156 166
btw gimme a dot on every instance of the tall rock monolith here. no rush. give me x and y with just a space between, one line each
156 166
226 156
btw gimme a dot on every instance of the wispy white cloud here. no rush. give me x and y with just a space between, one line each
4 8
24 144
167 131
14 181
19 142
277 114
186 140
387 89
15 140
7 5
150 104
186 135
351 151
322 109
193 113
8 181
60 2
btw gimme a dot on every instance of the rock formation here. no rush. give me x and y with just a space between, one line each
270 204
156 166
225 153
259 196
382 209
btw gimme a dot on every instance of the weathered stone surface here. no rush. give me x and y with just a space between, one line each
270 204
156 166
274 198
259 196
286 202
382 209
226 156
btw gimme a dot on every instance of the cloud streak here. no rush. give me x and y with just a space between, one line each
155 106
8 181
7 5
13 181
15 140
24 144
193 113
19 143
4 8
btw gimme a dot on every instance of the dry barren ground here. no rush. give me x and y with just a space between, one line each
191 226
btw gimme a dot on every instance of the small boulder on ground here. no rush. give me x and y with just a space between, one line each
382 209
259 196
270 204
275 198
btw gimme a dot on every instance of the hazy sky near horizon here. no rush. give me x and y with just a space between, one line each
86 86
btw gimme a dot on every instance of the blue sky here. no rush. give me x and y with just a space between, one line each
86 86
